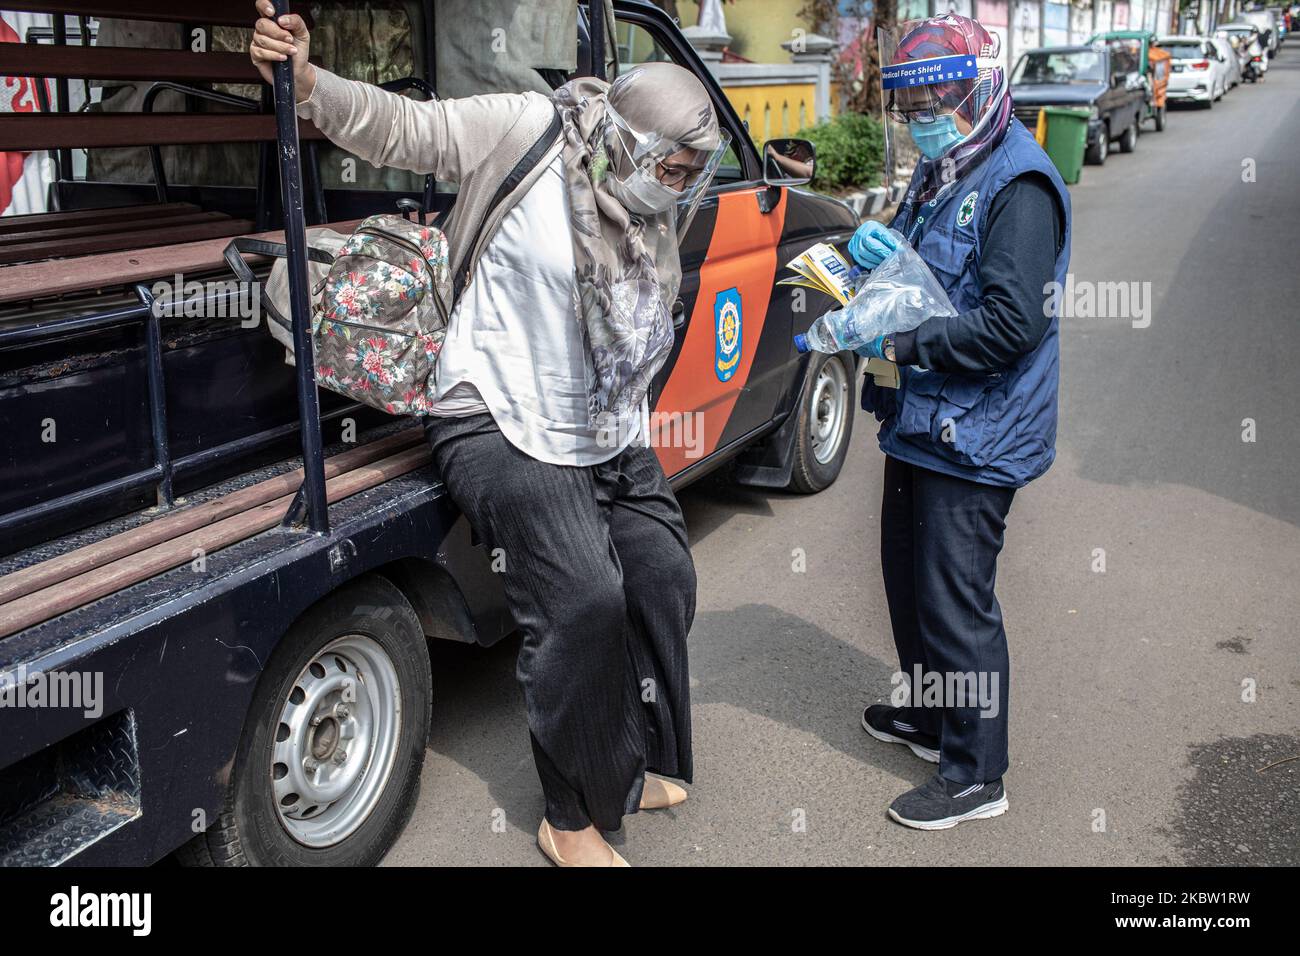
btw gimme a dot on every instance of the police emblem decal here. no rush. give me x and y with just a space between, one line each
727 326
967 211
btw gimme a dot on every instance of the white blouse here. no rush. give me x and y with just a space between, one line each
514 346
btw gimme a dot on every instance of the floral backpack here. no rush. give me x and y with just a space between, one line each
380 320
379 308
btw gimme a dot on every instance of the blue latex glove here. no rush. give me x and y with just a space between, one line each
871 243
875 348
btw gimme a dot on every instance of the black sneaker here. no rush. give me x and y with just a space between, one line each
939 803
883 723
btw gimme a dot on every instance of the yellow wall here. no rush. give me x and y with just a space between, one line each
759 26
773 110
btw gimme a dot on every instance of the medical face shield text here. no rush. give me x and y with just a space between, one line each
940 69
923 88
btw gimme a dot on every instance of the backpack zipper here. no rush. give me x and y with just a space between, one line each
406 243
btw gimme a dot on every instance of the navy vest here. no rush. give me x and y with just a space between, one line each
997 429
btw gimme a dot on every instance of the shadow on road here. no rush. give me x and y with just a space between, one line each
788 671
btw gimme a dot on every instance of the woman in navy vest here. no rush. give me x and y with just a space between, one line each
974 416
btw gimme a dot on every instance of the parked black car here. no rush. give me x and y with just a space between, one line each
1104 79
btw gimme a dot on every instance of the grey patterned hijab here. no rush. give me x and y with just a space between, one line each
627 268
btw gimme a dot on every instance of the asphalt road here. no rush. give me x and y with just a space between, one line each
1131 742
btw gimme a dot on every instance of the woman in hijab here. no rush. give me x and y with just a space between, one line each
539 420
973 418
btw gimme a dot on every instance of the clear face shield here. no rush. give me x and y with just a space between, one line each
933 96
652 175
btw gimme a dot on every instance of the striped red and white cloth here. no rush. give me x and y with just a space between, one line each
23 176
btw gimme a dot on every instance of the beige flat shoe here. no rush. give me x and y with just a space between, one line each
659 794
546 841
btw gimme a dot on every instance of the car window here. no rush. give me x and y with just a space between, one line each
1184 51
1078 66
1125 57
636 44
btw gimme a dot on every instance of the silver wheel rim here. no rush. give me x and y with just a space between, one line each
829 410
336 741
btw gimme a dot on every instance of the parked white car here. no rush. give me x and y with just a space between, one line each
1239 44
1231 61
1199 71
1267 25
1248 37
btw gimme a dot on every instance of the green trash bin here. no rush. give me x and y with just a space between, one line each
1067 139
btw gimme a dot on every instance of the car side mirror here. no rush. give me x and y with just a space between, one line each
789 162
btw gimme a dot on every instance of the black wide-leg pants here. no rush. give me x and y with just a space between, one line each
599 577
940 538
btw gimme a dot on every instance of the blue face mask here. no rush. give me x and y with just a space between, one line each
935 139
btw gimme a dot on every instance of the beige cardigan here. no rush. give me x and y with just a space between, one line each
475 142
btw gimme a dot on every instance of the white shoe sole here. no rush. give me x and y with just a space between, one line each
995 809
925 753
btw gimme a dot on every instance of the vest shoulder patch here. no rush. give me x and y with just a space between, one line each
966 212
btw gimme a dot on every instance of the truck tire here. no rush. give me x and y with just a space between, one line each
826 411
1129 141
1099 150
328 769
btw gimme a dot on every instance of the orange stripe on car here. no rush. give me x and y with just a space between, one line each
742 256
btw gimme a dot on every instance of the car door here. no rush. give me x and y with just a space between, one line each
722 379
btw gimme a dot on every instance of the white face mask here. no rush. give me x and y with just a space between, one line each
642 193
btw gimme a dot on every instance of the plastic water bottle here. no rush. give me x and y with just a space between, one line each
821 336
828 333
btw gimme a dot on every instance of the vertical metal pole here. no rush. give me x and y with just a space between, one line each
430 47
596 28
295 240
162 454
61 95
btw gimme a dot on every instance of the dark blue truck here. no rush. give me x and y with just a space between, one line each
216 585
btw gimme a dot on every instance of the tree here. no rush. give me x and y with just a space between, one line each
857 68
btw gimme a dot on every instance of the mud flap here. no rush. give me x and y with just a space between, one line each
770 462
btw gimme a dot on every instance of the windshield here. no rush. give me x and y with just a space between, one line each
1245 36
1184 51
1076 66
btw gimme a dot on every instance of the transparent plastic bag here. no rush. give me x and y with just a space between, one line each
896 296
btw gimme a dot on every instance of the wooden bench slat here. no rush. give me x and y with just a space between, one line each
25 132
33 220
72 593
35 279
128 63
230 13
121 227
89 245
185 520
